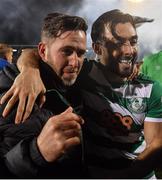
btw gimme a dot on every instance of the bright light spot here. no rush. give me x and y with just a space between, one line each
136 1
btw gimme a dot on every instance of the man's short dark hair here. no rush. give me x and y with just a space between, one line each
111 18
55 24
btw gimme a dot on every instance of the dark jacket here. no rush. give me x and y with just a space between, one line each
19 154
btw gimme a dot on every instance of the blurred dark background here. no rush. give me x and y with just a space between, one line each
21 19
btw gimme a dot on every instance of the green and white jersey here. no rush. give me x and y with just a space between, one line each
116 115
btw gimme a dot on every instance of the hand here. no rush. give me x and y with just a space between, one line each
26 88
59 134
136 70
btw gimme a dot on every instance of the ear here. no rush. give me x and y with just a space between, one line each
42 50
97 48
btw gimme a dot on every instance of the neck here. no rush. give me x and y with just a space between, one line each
114 78
111 76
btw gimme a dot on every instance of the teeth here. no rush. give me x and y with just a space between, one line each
125 61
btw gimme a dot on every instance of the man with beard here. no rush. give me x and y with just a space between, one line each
48 145
119 112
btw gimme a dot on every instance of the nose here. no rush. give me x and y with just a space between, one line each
127 49
74 60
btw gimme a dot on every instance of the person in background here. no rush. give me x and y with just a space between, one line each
49 144
152 66
6 55
120 112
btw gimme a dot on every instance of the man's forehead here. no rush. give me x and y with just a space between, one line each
120 32
108 32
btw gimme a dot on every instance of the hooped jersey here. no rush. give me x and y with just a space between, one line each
116 115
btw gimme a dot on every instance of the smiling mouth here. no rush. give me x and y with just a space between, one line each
126 60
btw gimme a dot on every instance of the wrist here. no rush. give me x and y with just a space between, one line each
29 58
29 69
36 154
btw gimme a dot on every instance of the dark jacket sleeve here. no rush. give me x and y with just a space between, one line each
18 149
18 145
24 160
19 153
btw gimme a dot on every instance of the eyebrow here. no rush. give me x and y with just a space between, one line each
123 39
74 48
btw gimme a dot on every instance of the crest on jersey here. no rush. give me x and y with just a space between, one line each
137 105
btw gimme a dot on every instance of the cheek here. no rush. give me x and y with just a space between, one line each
59 63
135 50
115 53
81 63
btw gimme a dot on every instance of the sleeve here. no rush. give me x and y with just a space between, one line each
24 160
18 146
155 104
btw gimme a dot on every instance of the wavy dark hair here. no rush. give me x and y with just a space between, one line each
55 24
111 18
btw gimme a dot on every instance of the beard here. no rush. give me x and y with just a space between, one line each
68 82
122 65
69 75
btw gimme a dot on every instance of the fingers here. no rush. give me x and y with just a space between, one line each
72 138
20 110
10 103
42 100
72 142
60 133
72 133
29 107
26 87
6 96
69 125
68 110
69 115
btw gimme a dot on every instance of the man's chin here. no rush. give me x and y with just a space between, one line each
125 74
68 82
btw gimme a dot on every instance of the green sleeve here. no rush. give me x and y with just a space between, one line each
155 101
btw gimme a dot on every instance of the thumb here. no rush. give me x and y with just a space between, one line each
68 110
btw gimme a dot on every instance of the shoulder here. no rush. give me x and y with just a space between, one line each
147 85
86 69
87 66
142 78
152 86
150 58
7 76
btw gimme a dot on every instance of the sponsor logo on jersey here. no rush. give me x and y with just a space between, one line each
137 105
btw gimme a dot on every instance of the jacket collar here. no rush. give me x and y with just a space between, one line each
50 78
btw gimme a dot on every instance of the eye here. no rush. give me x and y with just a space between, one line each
67 51
119 43
80 53
133 42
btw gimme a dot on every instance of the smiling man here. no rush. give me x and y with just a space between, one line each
122 112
